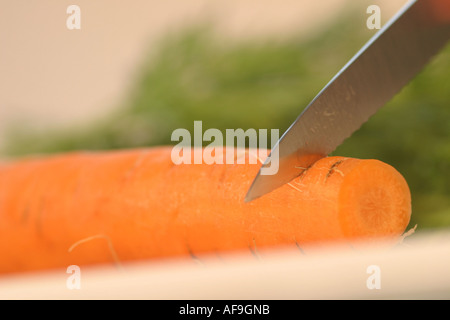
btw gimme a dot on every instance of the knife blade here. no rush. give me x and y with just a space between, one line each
378 71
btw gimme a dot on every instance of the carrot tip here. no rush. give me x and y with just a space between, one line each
374 201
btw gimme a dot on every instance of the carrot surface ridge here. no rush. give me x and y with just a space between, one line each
84 208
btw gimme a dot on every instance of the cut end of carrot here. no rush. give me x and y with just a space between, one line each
374 201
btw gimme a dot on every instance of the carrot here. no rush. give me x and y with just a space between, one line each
85 208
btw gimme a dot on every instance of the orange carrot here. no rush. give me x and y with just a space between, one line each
85 208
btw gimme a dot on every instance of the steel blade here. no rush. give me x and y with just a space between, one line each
368 81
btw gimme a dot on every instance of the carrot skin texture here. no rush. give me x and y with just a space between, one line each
144 207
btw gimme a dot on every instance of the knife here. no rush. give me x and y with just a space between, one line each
378 71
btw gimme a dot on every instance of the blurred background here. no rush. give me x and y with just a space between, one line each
137 70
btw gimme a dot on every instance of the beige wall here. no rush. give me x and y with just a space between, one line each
50 75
